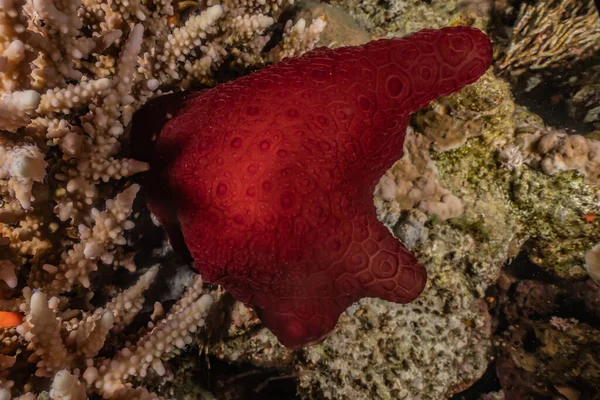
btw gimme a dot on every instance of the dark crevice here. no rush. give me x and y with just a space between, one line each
486 384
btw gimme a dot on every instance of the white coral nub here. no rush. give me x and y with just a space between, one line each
22 166
16 109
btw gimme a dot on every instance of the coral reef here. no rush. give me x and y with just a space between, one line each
72 75
551 52
483 180
476 185
401 17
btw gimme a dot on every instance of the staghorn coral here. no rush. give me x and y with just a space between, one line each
550 34
96 243
72 73
44 329
174 331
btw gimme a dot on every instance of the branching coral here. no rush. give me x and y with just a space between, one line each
97 244
15 54
551 54
72 73
174 331
60 346
550 34
298 36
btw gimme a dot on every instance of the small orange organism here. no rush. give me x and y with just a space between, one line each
589 218
10 319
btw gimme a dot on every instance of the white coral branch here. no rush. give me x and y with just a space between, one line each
72 96
127 304
298 38
43 329
97 243
66 387
90 346
172 332
7 273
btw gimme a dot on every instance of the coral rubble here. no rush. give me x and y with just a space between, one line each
542 351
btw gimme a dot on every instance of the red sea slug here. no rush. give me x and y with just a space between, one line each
271 176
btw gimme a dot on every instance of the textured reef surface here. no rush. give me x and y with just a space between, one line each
492 190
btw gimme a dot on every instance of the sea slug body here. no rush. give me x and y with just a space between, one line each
271 176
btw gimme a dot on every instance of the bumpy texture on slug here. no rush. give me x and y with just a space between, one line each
272 175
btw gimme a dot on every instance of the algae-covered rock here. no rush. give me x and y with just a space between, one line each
401 17
429 349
